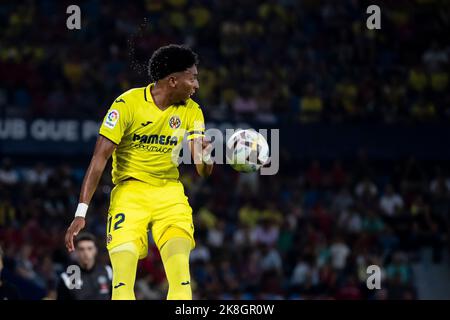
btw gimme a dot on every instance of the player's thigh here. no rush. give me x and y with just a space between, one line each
128 217
172 214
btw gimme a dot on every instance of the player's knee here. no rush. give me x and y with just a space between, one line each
173 233
128 246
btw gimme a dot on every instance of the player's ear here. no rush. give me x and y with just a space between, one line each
172 81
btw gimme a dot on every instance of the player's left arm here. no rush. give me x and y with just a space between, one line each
201 154
199 146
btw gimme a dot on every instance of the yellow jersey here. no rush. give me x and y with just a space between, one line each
148 139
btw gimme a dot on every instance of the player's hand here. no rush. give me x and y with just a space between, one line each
207 148
206 143
75 227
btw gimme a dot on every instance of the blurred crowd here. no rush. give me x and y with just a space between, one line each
273 61
309 232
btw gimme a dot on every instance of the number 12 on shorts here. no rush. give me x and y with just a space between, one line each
119 218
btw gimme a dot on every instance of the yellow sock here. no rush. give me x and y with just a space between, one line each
175 256
124 260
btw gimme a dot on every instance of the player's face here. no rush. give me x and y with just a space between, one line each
187 84
86 251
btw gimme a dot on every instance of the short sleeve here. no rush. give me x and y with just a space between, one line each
196 126
116 121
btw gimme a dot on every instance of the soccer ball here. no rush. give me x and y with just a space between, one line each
247 150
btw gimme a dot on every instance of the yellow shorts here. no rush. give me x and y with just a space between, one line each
136 207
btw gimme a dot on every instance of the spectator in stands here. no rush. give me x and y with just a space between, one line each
93 281
390 202
311 105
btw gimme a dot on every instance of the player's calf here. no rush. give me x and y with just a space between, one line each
175 256
124 259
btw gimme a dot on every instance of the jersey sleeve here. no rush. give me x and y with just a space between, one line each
196 126
116 121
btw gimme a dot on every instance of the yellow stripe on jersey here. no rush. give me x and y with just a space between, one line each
149 139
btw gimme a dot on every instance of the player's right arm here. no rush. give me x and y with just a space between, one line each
102 152
114 125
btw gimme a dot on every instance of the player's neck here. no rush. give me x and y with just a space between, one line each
160 97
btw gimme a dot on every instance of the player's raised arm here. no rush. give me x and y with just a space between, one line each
102 152
201 154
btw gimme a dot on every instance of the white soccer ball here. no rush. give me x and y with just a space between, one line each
247 150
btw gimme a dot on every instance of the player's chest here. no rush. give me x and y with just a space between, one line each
169 122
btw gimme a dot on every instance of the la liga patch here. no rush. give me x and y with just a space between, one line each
111 119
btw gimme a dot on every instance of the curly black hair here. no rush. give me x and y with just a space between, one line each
170 59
